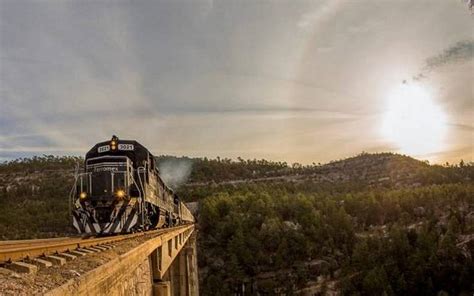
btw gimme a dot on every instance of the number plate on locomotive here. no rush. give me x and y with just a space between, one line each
128 147
102 149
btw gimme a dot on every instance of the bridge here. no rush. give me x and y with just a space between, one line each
160 262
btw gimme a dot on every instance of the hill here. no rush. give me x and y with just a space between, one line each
34 191
34 197
371 224
382 170
377 168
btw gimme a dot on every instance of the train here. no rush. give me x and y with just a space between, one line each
120 191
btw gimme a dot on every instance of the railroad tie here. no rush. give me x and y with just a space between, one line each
41 263
105 247
23 267
101 248
77 253
67 256
55 260
95 249
84 250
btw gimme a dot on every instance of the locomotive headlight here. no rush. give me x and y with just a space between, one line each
83 195
120 193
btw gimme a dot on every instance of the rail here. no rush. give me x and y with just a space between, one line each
17 250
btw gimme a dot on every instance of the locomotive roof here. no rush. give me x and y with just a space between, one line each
137 155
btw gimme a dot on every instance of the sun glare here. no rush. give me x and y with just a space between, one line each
413 121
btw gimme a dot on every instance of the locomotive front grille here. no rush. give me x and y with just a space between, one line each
103 214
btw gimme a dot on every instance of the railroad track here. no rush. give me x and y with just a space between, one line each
27 249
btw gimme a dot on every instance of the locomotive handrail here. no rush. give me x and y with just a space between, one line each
143 198
73 191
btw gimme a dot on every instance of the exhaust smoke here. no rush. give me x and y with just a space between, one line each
174 171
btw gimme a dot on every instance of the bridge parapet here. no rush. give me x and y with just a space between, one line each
148 269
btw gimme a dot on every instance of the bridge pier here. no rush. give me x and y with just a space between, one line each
181 276
162 288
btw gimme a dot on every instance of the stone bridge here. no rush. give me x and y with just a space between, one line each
163 265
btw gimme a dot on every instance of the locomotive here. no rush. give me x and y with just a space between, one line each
120 191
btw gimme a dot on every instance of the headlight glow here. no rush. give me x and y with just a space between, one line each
120 193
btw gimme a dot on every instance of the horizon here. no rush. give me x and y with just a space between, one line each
363 153
305 81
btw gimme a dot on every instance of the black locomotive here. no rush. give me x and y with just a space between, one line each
120 191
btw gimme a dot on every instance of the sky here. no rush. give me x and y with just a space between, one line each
298 81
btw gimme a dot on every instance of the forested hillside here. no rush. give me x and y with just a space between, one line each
359 173
386 169
374 224
399 242
34 197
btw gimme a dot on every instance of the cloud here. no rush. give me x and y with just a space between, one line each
470 4
459 52
314 18
200 78
463 127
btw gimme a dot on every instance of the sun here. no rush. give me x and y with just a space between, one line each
413 121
